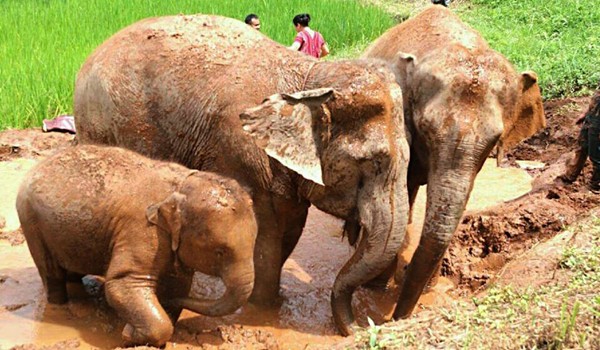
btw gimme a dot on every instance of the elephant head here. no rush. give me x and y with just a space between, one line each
213 230
528 116
349 146
459 102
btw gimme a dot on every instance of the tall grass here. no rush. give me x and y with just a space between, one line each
560 40
44 42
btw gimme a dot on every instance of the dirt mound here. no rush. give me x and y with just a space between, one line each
14 237
223 337
559 136
231 337
31 143
485 241
67 344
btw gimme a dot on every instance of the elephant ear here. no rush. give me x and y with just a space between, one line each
404 61
529 116
283 126
167 216
405 66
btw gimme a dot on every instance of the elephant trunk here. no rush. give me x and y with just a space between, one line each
448 191
238 280
383 213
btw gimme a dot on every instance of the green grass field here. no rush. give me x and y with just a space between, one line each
43 43
557 39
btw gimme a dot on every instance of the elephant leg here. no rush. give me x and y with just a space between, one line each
576 164
267 252
173 287
136 302
74 277
56 287
131 291
54 277
594 153
291 218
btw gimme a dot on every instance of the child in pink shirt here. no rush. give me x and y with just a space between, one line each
307 40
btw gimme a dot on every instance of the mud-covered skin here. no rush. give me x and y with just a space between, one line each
143 224
461 98
175 87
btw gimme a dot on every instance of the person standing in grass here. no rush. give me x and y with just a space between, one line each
441 2
307 40
253 21
589 146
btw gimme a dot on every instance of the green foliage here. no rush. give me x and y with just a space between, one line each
557 39
43 43
376 340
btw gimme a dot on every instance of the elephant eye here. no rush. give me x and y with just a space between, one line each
220 253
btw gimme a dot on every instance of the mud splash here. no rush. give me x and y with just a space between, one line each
302 321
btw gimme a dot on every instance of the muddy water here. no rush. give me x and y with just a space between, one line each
303 318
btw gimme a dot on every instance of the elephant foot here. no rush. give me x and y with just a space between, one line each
571 173
266 291
266 302
566 178
155 337
594 184
57 298
574 166
56 291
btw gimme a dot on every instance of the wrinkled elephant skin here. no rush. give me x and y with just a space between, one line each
143 224
189 89
461 98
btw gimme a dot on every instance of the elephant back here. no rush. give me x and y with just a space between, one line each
162 86
433 28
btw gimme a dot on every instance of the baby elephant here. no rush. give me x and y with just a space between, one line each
143 224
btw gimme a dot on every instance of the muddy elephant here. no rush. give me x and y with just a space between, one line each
329 134
460 99
146 226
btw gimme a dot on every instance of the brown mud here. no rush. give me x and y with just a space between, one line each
511 209
486 240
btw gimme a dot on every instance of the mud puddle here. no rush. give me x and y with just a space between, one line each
302 321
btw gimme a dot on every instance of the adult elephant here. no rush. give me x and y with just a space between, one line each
330 134
460 99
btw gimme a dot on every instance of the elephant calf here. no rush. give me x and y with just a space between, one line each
146 226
